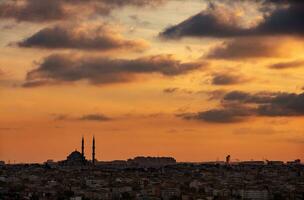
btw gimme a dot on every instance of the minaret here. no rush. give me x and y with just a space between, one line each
82 147
93 151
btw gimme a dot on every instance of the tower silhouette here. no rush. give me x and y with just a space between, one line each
93 151
82 147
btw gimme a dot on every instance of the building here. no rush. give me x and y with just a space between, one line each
274 162
295 162
142 161
77 158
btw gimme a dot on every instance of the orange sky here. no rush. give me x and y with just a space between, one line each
146 84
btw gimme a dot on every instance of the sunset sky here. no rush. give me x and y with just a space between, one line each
192 79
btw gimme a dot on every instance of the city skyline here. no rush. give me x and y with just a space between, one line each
227 160
195 80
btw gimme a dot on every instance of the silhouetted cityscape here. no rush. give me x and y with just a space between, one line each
189 99
151 178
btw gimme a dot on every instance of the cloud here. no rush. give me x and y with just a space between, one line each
33 10
133 2
204 24
286 65
170 90
101 37
286 104
37 83
60 117
65 68
180 91
88 117
244 48
225 115
228 79
94 117
52 10
237 106
284 20
247 98
270 103
215 94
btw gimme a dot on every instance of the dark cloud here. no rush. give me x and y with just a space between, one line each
180 91
228 79
247 98
33 10
237 96
95 117
133 2
285 104
204 24
58 69
227 115
100 37
238 106
270 103
281 1
171 90
88 117
286 65
245 48
284 20
50 10
37 83
223 115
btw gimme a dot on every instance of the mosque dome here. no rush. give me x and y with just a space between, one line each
77 158
75 155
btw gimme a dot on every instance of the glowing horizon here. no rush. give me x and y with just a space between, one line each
193 80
